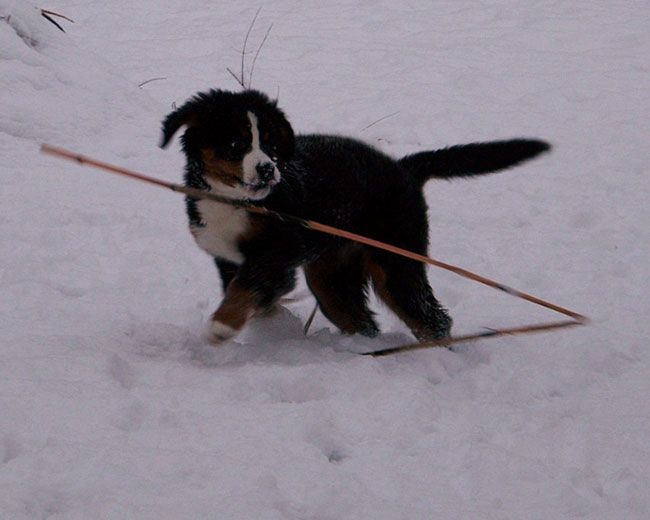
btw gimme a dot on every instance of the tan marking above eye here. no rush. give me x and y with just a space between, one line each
228 172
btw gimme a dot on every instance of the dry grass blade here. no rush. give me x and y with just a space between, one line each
241 77
48 15
57 15
250 77
52 21
310 320
149 81
380 120
243 51
238 80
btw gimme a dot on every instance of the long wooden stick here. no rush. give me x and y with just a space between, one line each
489 333
576 319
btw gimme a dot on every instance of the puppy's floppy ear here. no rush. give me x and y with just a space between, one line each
187 115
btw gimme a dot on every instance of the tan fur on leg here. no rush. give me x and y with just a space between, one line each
238 305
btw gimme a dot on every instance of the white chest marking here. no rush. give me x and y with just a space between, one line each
224 225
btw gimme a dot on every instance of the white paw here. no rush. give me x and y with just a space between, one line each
219 332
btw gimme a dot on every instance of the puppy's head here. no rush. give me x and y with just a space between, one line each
236 141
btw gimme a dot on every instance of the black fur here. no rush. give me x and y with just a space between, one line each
341 182
468 160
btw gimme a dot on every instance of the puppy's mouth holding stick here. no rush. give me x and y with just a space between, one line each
259 190
245 190
227 178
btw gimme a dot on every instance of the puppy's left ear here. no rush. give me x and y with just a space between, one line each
186 115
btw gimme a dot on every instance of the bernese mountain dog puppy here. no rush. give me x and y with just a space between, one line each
241 145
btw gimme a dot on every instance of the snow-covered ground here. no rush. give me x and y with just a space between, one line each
113 406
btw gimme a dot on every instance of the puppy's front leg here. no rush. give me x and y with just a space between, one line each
238 305
252 291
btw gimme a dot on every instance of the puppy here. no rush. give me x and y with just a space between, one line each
240 145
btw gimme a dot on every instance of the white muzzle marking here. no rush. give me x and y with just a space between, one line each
259 187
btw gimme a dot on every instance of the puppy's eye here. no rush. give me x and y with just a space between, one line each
237 146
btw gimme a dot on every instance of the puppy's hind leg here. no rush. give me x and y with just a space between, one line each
402 284
339 283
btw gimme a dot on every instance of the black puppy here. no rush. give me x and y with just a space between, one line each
240 145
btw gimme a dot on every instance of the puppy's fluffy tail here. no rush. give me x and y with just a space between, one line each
468 160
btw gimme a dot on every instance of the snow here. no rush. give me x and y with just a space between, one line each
113 405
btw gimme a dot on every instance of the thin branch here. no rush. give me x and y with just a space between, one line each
380 120
250 77
149 81
58 15
310 320
52 21
236 78
243 51
48 15
241 78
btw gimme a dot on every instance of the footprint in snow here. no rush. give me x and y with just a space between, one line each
122 372
10 449
131 417
326 437
163 339
300 390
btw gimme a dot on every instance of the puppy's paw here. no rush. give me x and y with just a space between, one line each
369 329
270 311
438 328
218 332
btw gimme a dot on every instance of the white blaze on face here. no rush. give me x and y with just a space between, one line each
256 156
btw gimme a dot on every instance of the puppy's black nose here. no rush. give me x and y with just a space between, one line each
265 171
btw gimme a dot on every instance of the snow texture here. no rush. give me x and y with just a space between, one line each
112 403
